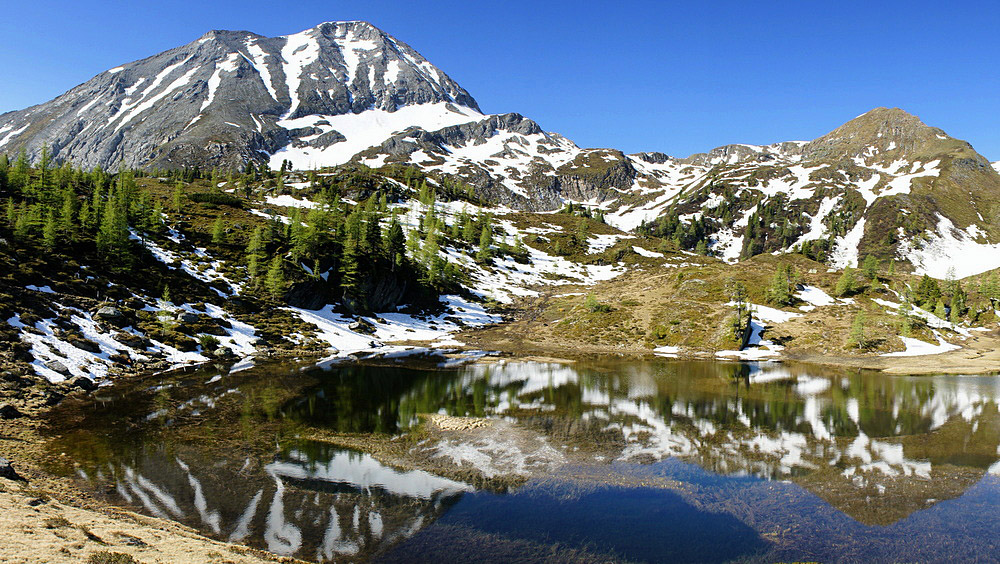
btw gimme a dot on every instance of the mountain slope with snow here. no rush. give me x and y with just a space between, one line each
883 184
233 96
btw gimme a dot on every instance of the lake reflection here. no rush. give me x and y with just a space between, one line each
715 461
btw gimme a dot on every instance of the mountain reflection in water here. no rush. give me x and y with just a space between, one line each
852 458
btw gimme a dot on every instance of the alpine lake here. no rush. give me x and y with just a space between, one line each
423 459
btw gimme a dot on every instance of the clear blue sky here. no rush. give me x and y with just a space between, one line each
675 77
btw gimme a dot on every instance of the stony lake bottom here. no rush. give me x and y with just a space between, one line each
635 461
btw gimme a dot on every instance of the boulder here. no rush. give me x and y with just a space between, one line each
108 313
7 471
83 344
362 326
132 340
83 383
57 367
187 317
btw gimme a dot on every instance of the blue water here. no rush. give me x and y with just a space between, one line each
681 462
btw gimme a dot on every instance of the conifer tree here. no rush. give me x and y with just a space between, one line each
154 222
958 303
276 277
350 277
582 234
219 231
857 334
163 315
870 268
779 292
67 214
413 244
372 239
990 289
22 224
846 284
939 310
177 197
395 244
113 235
86 216
739 299
43 167
519 248
468 228
928 292
484 253
256 249
50 231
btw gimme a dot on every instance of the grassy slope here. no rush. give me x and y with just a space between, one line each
655 305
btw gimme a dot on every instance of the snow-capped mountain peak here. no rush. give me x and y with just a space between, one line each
232 96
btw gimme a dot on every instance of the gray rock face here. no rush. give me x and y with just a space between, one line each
57 367
217 101
187 317
542 186
108 312
310 294
7 471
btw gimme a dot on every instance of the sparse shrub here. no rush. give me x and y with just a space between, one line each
595 306
107 557
659 332
208 342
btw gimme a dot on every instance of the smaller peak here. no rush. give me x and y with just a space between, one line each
887 115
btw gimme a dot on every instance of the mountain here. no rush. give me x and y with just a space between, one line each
883 184
234 96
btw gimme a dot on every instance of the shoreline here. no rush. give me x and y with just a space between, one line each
979 355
